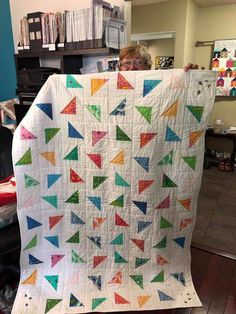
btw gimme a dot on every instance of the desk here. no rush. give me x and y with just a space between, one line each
229 136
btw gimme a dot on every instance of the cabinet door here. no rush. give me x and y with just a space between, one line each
71 64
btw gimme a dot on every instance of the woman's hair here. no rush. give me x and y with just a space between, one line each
137 51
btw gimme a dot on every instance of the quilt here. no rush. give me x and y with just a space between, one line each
108 168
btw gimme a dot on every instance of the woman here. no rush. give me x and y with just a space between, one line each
136 57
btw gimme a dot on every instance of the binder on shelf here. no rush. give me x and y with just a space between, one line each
35 31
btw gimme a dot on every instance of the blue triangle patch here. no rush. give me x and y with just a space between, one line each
143 162
52 178
54 240
46 108
179 277
142 206
32 223
120 109
33 260
72 132
74 301
171 136
96 240
96 201
75 220
164 297
143 225
180 241
97 281
149 85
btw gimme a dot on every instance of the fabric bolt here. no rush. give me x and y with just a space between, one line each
108 169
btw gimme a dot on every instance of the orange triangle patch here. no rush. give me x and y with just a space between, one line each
146 138
120 300
122 83
49 156
161 260
31 280
96 84
70 108
97 222
185 203
194 136
142 299
117 278
185 222
98 260
119 159
144 184
172 110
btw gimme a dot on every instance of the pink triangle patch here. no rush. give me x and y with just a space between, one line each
161 260
55 259
97 136
26 134
164 204
97 159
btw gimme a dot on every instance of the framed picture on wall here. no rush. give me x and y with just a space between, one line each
164 62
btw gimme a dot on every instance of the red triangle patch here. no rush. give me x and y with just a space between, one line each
71 107
74 177
97 159
139 243
53 220
120 221
164 204
120 300
117 278
122 83
146 138
144 184
98 260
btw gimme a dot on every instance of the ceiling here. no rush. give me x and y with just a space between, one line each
199 3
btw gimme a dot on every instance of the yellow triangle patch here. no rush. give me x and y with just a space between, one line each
31 280
172 110
142 299
96 84
49 156
119 159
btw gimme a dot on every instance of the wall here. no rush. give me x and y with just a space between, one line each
216 23
163 17
7 66
20 8
161 47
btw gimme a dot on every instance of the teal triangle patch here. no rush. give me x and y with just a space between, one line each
96 302
29 181
71 82
171 136
53 280
96 201
119 240
119 259
51 200
53 240
119 181
149 85
52 178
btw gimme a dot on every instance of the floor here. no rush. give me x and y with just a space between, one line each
216 213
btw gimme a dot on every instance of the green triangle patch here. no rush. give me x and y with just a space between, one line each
120 135
159 277
167 182
119 202
165 223
119 181
53 280
119 259
140 261
95 110
167 160
74 239
51 200
97 302
26 159
29 181
191 161
119 240
146 112
50 133
51 303
161 244
74 198
72 83
73 154
197 111
98 180
75 258
138 279
32 243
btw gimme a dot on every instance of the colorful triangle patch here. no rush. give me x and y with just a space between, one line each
53 280
161 244
98 180
196 111
140 261
50 133
71 107
97 136
119 181
32 243
56 258
33 260
26 159
96 201
193 137
119 221
149 85
51 303
97 260
73 133
52 200
50 157
142 300
31 280
97 241
97 301
54 220
180 241
96 159
167 182
97 222
119 202
167 160
164 204
144 184
96 84
74 239
146 112
75 220
120 259
165 223
72 83
52 179
191 161
159 277
46 108
180 277
171 111
29 181
73 154
141 206
120 109
138 279
119 240
74 198
122 83
142 225
95 110
74 177
32 223
74 302
121 135
164 297
54 240
143 162
161 260
75 258
186 203
119 159
117 279
120 300
171 136
146 138
97 281
139 243
26 134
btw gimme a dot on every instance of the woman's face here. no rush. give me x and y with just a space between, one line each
132 63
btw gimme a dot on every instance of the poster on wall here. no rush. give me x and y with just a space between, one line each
224 62
164 62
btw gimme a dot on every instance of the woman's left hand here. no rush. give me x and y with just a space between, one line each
192 66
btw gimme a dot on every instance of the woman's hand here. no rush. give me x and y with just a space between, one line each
192 66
